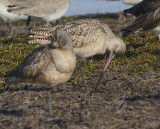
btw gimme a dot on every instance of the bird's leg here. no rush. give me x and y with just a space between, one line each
48 24
57 21
103 71
49 104
159 36
28 20
83 74
10 26
34 23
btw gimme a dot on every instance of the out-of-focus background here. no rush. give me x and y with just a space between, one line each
94 6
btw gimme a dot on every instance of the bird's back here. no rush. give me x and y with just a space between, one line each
143 7
86 34
45 65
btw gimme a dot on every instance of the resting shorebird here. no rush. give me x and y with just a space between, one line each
48 10
148 22
130 2
6 17
48 65
89 37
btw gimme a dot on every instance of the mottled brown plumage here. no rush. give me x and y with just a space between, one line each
48 65
89 37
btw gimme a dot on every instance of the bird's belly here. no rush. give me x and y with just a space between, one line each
54 16
52 79
88 51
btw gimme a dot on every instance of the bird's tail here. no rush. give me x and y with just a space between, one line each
41 35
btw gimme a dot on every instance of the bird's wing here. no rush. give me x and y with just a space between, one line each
81 32
143 7
37 8
4 2
21 4
31 65
145 22
152 20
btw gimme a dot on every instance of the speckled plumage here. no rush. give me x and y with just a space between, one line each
89 37
48 65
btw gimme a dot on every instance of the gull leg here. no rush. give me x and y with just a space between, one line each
28 20
48 24
10 26
57 22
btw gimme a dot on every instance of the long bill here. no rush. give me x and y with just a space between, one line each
103 71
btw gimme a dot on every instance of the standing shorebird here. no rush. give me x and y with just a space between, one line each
89 37
48 65
130 2
47 10
6 17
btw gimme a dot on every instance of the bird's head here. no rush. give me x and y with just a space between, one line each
61 39
116 48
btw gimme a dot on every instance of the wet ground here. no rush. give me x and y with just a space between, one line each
125 98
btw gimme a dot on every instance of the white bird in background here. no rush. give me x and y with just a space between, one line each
7 17
47 10
89 37
48 65
130 2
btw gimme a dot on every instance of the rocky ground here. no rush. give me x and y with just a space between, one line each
128 96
